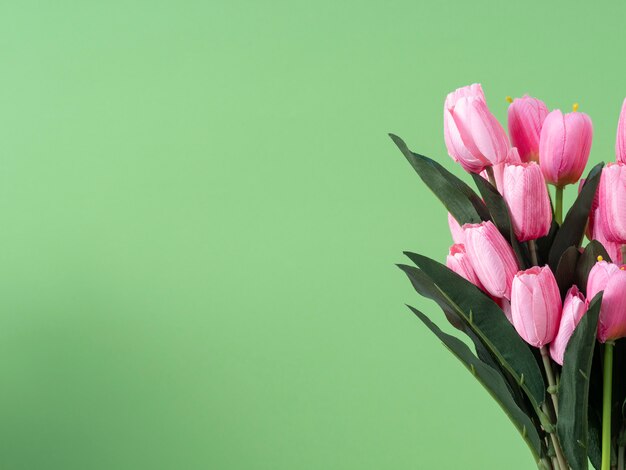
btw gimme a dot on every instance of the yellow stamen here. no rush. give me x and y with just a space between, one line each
575 107
509 99
623 268
600 258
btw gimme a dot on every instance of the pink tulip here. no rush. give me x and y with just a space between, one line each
526 117
620 141
459 262
574 307
536 305
505 305
475 90
498 170
612 203
611 279
458 236
473 136
613 249
492 258
564 147
526 194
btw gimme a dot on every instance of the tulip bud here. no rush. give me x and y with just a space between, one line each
526 116
473 136
536 305
564 146
492 258
458 236
612 203
620 141
574 307
611 279
613 249
458 262
529 204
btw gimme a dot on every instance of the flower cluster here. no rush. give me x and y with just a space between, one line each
519 279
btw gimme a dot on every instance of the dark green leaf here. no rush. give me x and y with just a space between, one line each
460 200
573 227
492 381
427 288
566 270
499 212
572 425
587 260
485 319
545 243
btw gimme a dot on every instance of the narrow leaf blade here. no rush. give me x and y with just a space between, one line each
493 383
572 425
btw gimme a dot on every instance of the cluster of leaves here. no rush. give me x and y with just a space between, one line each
509 368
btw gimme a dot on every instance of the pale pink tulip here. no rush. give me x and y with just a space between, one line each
613 249
473 136
458 236
612 203
611 279
564 147
574 307
526 195
458 261
492 258
525 118
620 140
536 305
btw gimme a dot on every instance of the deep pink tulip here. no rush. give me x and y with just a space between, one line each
612 203
564 146
473 136
620 140
492 258
536 305
458 236
458 261
613 249
574 307
526 194
611 279
526 116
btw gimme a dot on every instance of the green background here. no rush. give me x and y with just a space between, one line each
200 212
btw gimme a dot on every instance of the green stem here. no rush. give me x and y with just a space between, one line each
606 405
547 364
623 252
558 210
532 246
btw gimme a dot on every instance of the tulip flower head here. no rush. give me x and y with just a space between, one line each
612 202
536 305
528 200
491 257
564 146
525 119
611 279
456 231
473 135
620 140
458 261
574 307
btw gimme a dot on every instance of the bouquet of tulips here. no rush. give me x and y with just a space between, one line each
544 310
